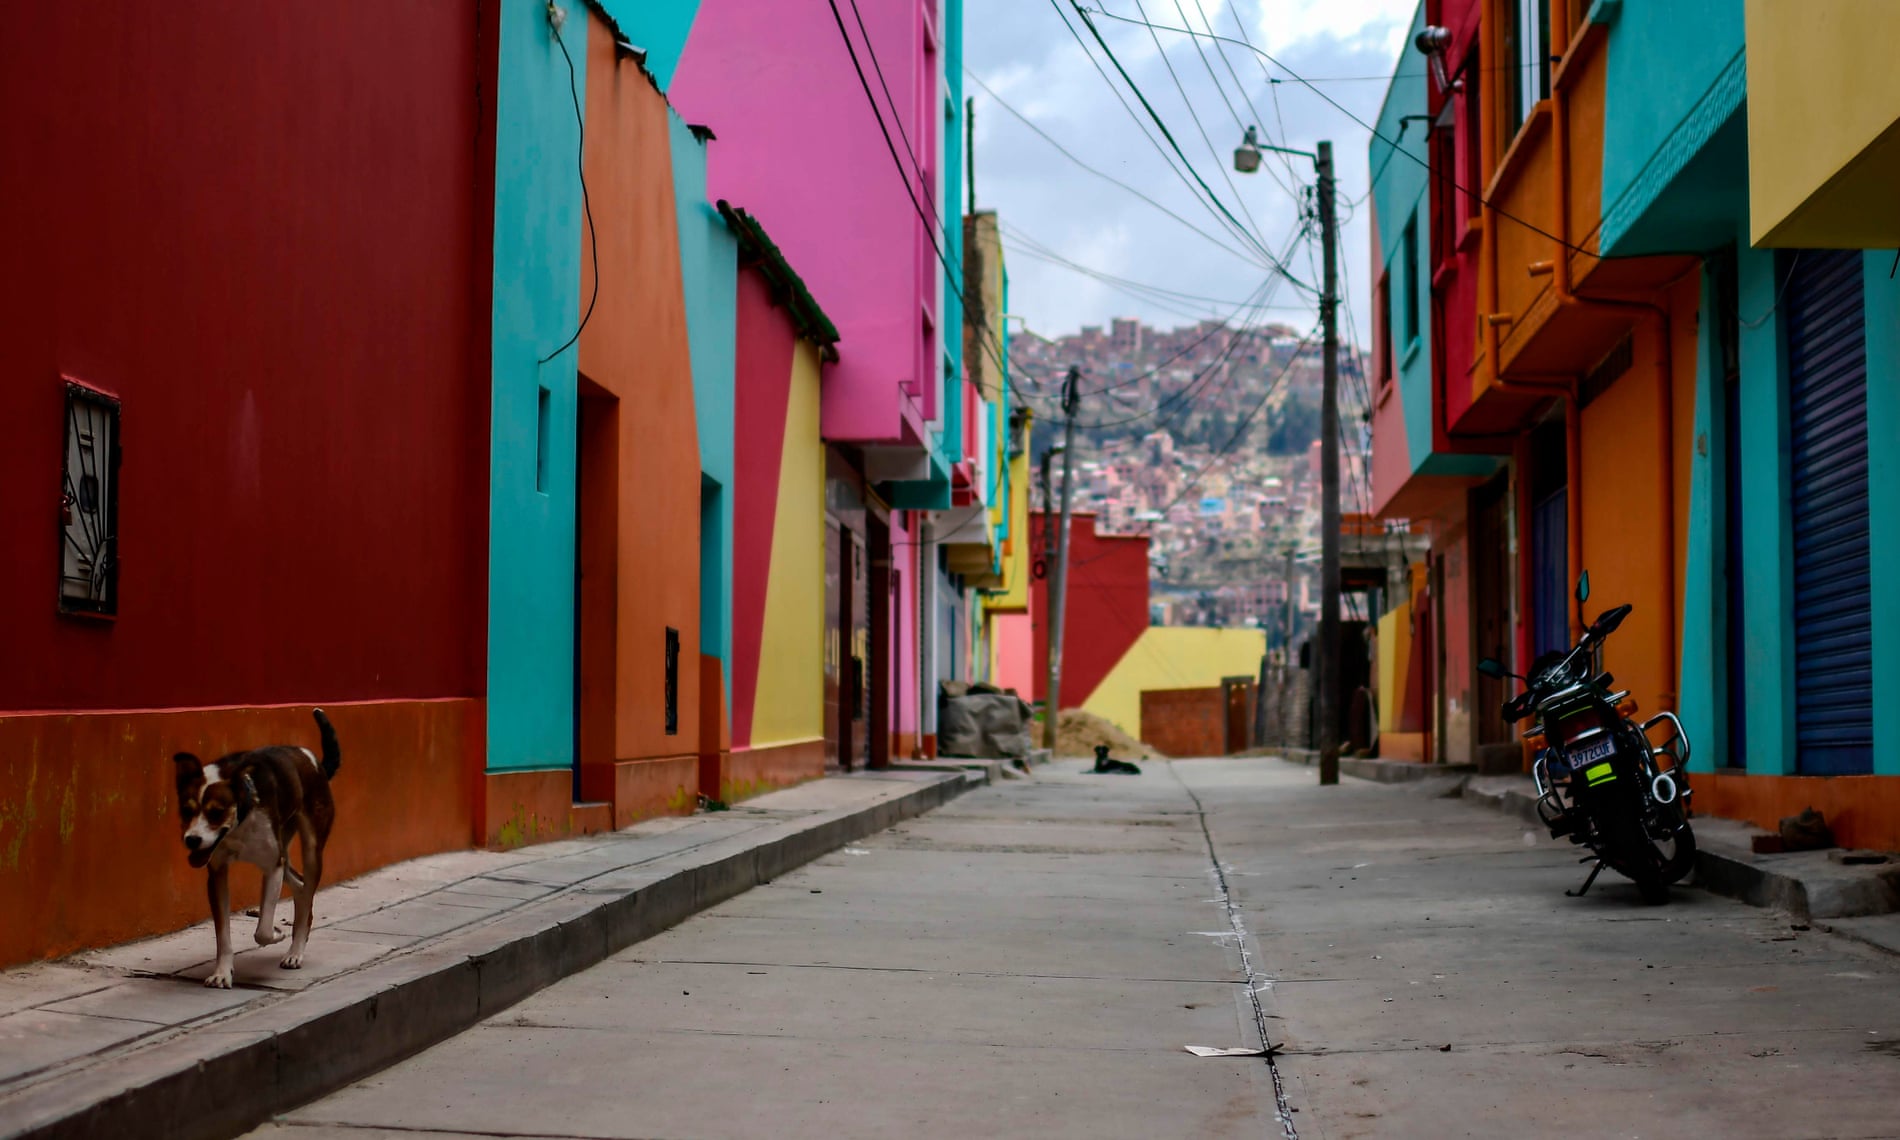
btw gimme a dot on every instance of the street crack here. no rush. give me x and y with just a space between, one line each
1281 1109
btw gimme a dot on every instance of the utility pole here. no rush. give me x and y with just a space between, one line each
1059 581
1246 161
1329 478
1286 617
969 146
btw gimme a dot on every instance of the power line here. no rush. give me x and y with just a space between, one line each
933 223
1066 153
1285 160
1213 200
1165 302
1225 453
1368 127
1219 163
1015 233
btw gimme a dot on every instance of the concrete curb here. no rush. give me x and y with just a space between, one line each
1805 885
1382 771
221 1079
1511 801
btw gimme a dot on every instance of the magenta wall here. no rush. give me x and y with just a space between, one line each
797 146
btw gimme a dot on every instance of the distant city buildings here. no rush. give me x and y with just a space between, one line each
1182 436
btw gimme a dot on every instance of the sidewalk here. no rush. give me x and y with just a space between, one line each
126 1041
1812 885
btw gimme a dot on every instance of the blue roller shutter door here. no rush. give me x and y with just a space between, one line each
1833 620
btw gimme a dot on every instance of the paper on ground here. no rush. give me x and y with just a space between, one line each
1210 1051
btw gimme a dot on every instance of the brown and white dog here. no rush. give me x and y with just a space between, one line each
246 806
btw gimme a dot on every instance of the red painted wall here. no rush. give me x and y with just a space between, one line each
259 226
1107 607
1185 722
763 379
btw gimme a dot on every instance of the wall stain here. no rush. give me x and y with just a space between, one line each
20 818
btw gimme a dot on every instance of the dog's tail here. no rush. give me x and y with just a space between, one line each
332 752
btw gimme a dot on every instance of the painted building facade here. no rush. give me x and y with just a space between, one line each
244 416
606 470
1682 352
1111 655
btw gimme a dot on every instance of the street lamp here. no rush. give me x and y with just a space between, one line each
1246 161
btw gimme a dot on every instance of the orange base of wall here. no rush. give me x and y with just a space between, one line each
519 808
904 746
1402 746
1862 811
89 832
749 772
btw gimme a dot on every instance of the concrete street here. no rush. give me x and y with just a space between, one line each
1030 959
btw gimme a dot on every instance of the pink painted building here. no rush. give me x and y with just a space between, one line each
797 144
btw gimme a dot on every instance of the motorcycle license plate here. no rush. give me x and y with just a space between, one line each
1595 750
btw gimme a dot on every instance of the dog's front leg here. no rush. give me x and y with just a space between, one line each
267 905
218 886
304 902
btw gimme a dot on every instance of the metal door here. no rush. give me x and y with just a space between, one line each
1827 434
834 643
1550 567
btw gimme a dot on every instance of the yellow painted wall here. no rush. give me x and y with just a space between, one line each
1174 657
1823 123
791 700
1014 597
1395 660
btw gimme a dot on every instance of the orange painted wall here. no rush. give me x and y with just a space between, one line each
1862 811
1624 512
635 348
89 836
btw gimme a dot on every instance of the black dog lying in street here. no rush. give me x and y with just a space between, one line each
1113 767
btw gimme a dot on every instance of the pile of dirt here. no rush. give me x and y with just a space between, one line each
1078 732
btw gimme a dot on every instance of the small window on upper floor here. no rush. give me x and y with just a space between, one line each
1409 266
89 504
1526 47
1382 315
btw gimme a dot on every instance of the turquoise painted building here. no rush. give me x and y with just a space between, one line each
1788 643
538 231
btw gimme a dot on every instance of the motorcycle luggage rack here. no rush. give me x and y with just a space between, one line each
1675 745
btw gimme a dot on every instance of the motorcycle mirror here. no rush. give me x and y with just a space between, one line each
1492 667
1583 586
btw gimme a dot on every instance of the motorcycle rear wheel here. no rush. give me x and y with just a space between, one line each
1631 853
1679 857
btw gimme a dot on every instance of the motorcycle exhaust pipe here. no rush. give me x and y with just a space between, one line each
1663 788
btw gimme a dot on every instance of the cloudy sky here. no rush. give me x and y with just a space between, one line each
1024 53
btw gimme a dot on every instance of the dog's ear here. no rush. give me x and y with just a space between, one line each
246 796
188 767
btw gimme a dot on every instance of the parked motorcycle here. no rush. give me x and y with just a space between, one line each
1601 780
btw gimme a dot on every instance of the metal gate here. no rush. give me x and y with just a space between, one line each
1827 404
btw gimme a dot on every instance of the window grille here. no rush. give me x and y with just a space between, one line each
89 504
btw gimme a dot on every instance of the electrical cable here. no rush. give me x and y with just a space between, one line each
587 205
1188 394
1219 50
1163 302
1213 200
933 223
1036 248
1066 153
1220 163
1225 453
1173 167
1368 127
